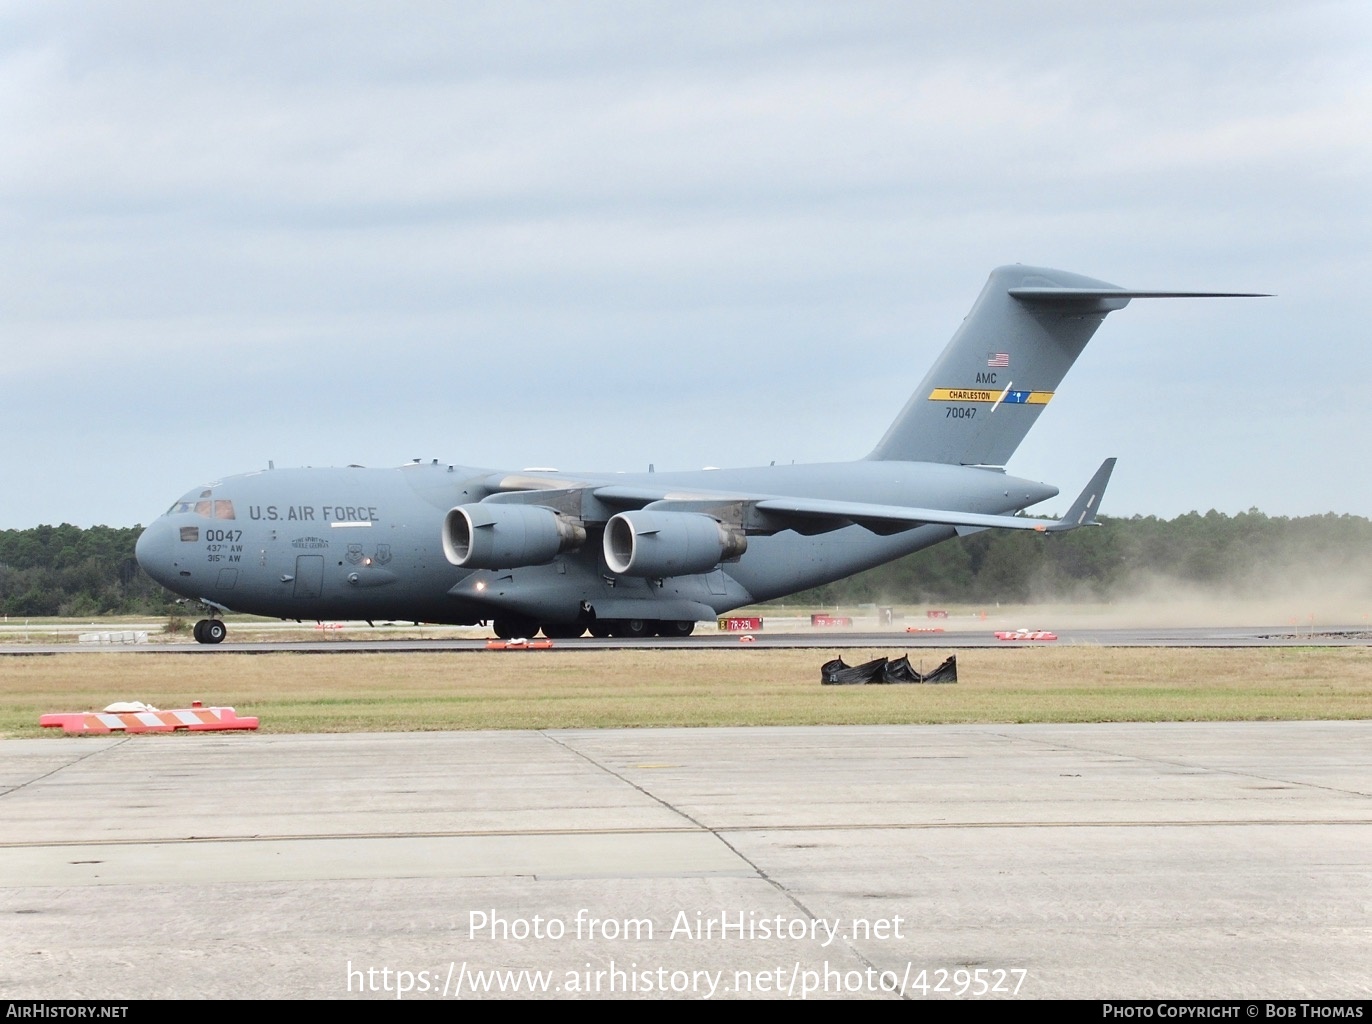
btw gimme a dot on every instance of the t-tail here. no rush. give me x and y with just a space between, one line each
1004 364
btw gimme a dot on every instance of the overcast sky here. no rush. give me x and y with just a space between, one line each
603 235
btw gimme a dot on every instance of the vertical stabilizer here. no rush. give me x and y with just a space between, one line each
1002 367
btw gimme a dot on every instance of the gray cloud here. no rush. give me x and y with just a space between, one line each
603 235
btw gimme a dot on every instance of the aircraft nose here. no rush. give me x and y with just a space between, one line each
154 550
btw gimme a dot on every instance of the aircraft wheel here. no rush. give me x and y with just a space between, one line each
676 627
563 630
601 628
634 628
214 632
508 627
199 631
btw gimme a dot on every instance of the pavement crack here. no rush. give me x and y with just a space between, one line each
719 836
1170 762
64 767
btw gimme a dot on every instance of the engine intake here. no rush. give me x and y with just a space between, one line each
647 543
499 536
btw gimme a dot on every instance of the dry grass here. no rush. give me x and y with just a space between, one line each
581 689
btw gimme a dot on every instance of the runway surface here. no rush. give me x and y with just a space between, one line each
1087 861
359 640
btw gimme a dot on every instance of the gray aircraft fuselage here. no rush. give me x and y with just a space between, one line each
633 554
361 543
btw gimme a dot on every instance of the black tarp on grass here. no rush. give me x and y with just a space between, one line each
885 670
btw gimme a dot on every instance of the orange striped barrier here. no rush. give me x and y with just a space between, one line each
196 718
518 645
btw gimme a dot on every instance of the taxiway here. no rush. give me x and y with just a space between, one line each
1176 860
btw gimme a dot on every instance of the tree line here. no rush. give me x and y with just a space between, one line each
69 571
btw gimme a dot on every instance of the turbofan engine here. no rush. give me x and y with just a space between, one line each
499 536
646 543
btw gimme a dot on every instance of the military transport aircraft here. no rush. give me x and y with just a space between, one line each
636 554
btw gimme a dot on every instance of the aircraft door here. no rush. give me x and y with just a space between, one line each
309 576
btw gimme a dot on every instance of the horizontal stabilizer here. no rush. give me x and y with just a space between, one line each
1107 299
1034 293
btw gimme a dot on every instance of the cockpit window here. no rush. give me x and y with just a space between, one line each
210 508
190 533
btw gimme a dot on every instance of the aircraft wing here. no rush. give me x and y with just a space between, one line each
887 519
765 514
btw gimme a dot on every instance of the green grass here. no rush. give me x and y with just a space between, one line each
604 689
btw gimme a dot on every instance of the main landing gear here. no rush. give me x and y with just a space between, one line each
634 628
509 627
210 631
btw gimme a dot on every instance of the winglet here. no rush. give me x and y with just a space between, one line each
1083 510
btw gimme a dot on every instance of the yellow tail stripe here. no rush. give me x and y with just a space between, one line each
990 397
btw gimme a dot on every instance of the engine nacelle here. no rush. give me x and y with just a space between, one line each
645 543
499 536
